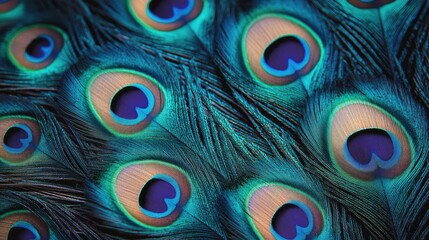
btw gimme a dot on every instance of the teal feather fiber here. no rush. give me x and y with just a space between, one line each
122 126
384 200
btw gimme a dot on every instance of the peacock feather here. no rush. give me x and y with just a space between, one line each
207 119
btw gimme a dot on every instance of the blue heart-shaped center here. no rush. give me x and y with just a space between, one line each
125 102
159 196
292 221
368 148
285 55
132 104
169 11
17 139
40 49
23 230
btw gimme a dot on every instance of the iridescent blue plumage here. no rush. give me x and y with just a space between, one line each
207 119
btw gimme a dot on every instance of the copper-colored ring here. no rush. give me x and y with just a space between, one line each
357 116
265 31
268 199
139 8
20 42
107 84
131 180
7 6
9 220
5 124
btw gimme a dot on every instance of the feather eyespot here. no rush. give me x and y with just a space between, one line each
7 5
20 137
18 225
369 3
125 101
151 193
36 47
280 212
280 49
165 15
367 142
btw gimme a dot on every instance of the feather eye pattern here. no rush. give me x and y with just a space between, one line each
23 225
155 193
271 98
165 15
369 147
376 159
205 119
22 138
121 99
112 106
287 35
35 47
172 22
41 41
281 202
290 47
158 181
41 203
